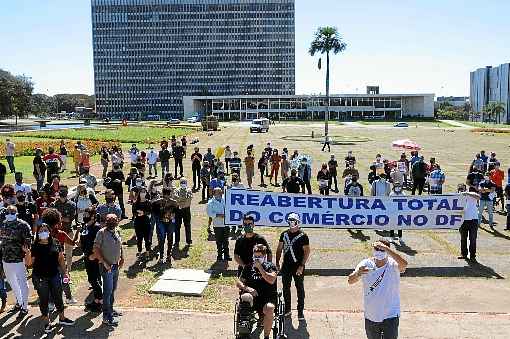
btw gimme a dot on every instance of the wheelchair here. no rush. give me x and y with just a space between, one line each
245 319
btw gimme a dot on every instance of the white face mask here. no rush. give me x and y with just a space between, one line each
44 235
397 189
293 224
184 185
259 259
1 204
10 217
380 255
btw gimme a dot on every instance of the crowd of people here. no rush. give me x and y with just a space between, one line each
40 226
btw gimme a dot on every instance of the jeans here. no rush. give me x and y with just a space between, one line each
418 184
143 231
109 286
120 199
105 168
40 182
221 234
165 168
205 191
183 216
387 329
178 163
308 187
196 177
151 166
468 229
94 277
3 290
289 273
49 288
490 209
10 162
324 190
16 275
165 232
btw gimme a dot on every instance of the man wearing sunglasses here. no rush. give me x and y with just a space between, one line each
381 290
243 251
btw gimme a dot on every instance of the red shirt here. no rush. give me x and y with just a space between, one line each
62 237
43 204
497 176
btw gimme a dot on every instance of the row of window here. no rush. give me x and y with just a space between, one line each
119 7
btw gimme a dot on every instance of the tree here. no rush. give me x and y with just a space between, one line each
493 111
15 94
327 40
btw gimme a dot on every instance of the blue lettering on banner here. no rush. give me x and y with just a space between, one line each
236 215
284 201
328 219
443 205
268 201
311 218
442 220
276 217
342 219
382 220
429 203
362 203
255 215
347 206
420 220
300 202
454 219
252 200
404 219
329 201
358 219
314 202
236 198
456 206
378 204
415 204
400 203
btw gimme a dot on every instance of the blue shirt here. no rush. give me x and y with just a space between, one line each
215 207
216 183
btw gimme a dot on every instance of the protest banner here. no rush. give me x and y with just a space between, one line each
319 211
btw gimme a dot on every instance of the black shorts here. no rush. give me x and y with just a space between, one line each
261 301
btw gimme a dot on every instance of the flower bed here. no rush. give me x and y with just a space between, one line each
27 148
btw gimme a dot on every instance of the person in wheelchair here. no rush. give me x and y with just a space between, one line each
258 288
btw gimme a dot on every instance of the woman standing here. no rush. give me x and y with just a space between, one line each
142 210
83 201
323 178
46 260
262 164
275 167
63 155
105 159
249 164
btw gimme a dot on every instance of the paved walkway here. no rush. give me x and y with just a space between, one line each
457 124
151 323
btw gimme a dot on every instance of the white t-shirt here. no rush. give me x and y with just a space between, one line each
152 157
381 290
23 187
470 205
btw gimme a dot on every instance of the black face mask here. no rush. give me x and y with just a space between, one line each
21 198
109 200
86 219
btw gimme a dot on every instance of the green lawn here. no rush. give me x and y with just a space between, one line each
484 124
131 134
425 123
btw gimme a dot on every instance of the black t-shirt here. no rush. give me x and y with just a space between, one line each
163 209
144 206
474 179
26 211
42 165
293 184
244 247
63 150
486 184
45 259
297 246
197 158
252 278
164 155
87 237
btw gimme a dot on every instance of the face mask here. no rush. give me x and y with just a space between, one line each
259 259
380 255
44 235
1 204
109 200
378 159
218 198
138 184
11 217
303 162
184 185
293 224
248 228
397 189
111 226
86 219
21 198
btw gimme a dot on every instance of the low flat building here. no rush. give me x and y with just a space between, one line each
309 107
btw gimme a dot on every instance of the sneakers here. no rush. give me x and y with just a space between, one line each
4 303
16 308
301 315
71 301
110 322
117 313
66 322
48 328
23 313
51 307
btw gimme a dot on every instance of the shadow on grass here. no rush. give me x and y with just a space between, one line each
358 235
495 233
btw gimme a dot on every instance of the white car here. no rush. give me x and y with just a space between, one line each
401 124
193 120
259 125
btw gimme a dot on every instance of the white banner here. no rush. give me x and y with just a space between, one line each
380 213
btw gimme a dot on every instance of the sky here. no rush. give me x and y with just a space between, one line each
413 46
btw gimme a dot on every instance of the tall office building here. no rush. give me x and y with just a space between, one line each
148 54
491 84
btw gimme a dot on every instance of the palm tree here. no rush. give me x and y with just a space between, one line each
494 110
327 40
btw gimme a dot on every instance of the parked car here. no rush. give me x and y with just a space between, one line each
173 122
401 124
193 119
259 125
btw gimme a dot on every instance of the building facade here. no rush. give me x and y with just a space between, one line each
306 107
148 54
491 84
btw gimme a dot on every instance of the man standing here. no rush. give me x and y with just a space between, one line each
10 149
497 176
164 157
469 227
487 192
116 178
15 241
164 210
109 207
39 168
108 252
333 171
327 142
419 174
381 187
381 290
196 165
216 211
21 186
305 173
67 209
152 159
53 162
178 152
205 177
295 246
183 196
473 179
243 251
354 189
